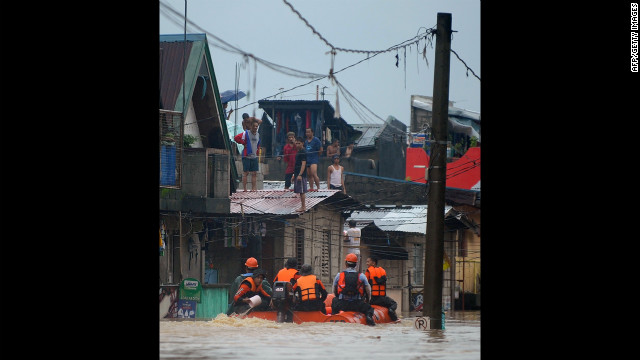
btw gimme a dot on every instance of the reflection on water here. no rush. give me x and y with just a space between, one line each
231 338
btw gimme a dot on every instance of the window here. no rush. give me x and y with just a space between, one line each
418 264
300 247
462 244
170 149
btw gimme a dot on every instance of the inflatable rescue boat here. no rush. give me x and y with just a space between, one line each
282 299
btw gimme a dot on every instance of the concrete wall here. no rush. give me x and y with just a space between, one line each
380 191
178 262
314 223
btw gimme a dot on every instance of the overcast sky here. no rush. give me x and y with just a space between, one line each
271 31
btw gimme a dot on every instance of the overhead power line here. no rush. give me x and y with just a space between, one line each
430 32
358 107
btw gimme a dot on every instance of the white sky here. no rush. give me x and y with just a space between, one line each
270 30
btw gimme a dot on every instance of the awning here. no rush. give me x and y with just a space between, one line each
381 244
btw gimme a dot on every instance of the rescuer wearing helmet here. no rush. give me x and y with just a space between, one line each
351 289
250 286
250 266
289 273
377 277
310 292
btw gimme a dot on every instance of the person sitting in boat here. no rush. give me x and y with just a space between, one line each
309 292
250 287
289 273
377 278
249 267
351 288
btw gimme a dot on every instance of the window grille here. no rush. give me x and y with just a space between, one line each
326 252
170 149
300 247
418 264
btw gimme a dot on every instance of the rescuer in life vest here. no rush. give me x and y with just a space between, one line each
289 273
250 287
249 267
352 289
377 278
309 291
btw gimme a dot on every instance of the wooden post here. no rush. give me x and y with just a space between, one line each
432 291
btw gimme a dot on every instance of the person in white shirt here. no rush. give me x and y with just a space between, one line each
335 175
352 241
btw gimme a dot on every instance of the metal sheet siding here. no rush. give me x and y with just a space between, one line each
410 220
171 71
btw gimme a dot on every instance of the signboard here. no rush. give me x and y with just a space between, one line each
190 289
187 309
418 140
416 299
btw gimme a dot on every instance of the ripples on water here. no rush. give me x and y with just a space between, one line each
258 339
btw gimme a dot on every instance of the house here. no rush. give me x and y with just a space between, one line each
463 125
191 112
264 224
296 116
282 116
382 144
197 174
368 156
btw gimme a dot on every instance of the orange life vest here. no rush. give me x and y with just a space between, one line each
307 285
376 289
253 289
350 286
286 275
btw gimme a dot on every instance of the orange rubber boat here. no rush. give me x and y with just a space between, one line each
380 315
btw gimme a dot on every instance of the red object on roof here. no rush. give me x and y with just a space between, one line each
463 173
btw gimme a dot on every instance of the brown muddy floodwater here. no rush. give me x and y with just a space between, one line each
258 339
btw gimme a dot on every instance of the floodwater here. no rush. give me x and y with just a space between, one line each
252 338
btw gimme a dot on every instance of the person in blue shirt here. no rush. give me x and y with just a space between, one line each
313 145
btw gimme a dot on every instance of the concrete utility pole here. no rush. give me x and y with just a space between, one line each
432 297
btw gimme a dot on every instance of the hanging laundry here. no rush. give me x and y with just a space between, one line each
194 247
298 119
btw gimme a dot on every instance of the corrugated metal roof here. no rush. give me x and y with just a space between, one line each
406 219
277 202
171 69
369 133
279 185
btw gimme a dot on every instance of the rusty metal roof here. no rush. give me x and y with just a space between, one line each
285 202
172 53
